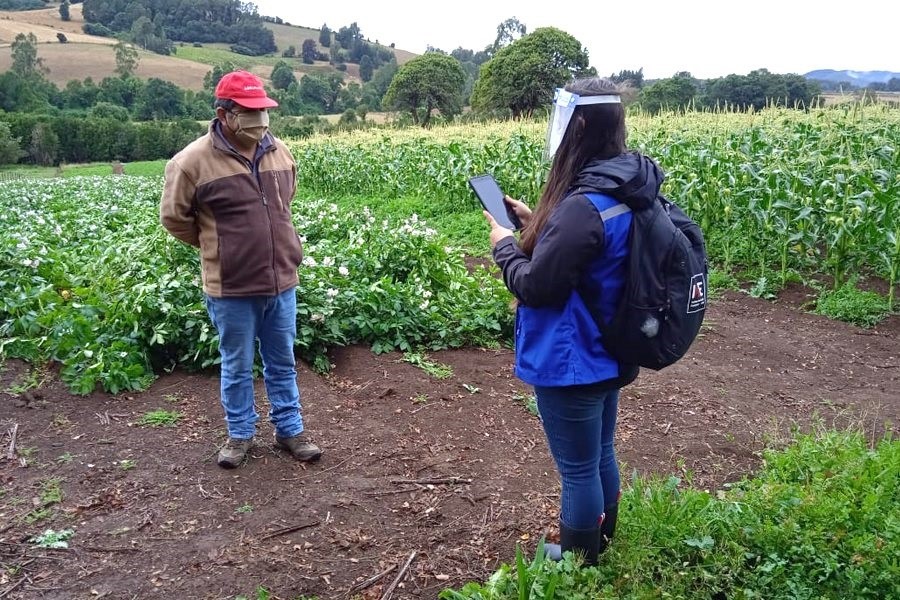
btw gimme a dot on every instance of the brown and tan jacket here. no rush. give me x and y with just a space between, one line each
240 219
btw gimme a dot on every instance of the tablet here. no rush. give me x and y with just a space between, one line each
491 197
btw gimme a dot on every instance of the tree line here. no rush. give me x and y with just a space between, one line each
513 77
154 24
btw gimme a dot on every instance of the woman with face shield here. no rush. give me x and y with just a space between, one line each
569 262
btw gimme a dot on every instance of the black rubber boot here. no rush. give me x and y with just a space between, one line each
585 542
608 526
581 541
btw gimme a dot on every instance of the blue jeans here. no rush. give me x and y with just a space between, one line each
273 321
580 423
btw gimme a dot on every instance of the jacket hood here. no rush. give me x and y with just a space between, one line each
631 178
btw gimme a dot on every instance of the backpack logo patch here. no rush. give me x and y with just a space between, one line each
697 297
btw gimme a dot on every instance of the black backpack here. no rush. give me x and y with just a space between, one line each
664 299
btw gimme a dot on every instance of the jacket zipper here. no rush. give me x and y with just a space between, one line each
250 164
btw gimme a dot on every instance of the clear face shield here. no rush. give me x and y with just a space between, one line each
564 104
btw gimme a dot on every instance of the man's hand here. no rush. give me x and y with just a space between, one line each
497 232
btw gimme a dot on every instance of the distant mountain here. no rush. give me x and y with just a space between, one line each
857 78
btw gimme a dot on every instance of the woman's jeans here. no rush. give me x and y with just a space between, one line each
580 422
273 321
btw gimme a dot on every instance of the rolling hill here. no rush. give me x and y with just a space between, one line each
92 56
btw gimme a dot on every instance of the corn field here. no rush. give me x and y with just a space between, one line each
778 191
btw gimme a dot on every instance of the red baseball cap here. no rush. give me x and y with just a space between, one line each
244 88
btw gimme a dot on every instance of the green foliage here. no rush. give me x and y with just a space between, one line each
433 81
55 540
325 36
421 360
71 295
849 303
25 61
759 89
816 522
10 148
521 77
44 145
675 93
528 402
719 280
308 52
80 139
160 418
628 77
126 59
64 10
227 21
422 164
282 75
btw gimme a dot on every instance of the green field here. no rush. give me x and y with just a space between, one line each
93 283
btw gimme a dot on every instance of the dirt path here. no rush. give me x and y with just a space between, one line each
455 470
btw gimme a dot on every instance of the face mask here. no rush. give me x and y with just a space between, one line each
564 104
251 126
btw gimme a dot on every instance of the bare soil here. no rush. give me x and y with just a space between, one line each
455 470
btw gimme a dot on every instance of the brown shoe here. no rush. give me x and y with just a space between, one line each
299 447
234 452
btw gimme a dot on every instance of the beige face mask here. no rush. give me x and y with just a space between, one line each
251 126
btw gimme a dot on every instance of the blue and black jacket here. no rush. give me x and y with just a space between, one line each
578 258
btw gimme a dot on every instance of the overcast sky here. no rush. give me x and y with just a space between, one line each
708 38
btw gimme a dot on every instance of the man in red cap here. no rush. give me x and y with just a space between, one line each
229 194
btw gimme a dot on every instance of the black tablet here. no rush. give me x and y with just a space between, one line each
491 197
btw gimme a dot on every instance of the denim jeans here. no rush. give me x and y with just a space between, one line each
580 423
273 321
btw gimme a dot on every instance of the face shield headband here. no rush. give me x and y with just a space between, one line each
564 104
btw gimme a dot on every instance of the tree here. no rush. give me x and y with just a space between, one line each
211 79
309 52
44 146
321 91
507 32
758 88
62 38
522 76
289 52
10 150
160 100
325 36
345 36
64 10
282 76
674 93
428 82
25 61
366 68
633 78
121 91
126 59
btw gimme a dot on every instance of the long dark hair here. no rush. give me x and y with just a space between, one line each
596 131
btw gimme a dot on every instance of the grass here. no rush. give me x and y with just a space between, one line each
160 418
435 369
528 401
852 305
145 168
216 54
817 521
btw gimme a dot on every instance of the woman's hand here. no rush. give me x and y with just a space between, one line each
520 208
497 232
